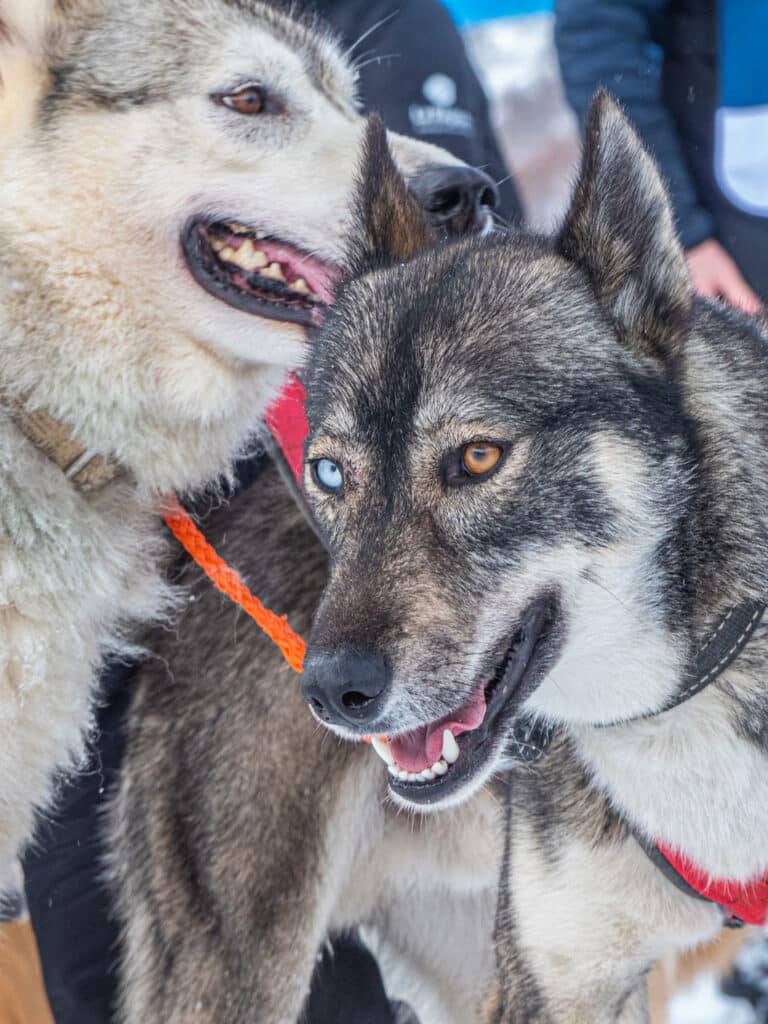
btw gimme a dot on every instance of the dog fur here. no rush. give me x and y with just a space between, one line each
629 501
241 836
110 143
244 834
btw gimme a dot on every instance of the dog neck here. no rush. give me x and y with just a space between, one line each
87 470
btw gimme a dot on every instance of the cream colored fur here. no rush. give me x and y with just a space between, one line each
102 325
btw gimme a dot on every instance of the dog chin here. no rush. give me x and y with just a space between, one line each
240 338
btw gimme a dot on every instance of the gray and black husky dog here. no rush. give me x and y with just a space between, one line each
541 469
243 832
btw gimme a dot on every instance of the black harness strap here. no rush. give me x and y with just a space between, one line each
723 646
532 738
670 872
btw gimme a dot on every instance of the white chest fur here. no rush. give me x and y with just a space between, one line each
689 779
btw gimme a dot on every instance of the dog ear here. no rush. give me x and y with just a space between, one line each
620 230
391 226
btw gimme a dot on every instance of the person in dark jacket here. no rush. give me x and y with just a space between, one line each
414 71
693 77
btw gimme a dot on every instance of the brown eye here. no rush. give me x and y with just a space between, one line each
480 458
248 100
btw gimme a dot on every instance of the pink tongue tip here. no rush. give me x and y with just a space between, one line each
414 751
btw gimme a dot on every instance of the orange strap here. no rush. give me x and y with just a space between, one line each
228 582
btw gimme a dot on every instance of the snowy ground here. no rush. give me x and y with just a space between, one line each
705 1004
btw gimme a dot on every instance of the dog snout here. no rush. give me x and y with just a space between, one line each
346 687
459 200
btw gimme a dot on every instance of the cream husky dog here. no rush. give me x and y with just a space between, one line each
166 170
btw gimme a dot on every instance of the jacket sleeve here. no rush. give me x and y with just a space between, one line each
609 43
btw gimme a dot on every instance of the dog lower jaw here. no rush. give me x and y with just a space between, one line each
468 760
243 268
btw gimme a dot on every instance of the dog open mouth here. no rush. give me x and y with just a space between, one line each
258 274
436 760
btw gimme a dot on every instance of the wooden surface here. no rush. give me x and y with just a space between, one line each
22 997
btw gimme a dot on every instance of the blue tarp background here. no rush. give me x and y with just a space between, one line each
467 12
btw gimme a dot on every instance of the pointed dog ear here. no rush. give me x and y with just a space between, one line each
620 230
391 226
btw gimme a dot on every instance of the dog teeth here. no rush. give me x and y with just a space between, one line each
450 747
249 257
381 746
275 271
300 285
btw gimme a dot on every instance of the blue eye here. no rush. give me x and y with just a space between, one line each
328 475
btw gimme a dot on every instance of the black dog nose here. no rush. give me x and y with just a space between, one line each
347 687
458 200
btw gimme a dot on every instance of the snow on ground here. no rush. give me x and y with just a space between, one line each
703 1003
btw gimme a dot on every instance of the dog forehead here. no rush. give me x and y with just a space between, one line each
179 40
459 334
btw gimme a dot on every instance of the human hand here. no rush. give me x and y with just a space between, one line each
715 275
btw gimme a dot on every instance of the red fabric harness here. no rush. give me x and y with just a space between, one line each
747 902
741 901
287 423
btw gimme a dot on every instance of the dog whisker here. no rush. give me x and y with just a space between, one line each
369 31
377 60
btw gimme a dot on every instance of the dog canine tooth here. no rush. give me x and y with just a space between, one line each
382 749
450 747
300 285
275 271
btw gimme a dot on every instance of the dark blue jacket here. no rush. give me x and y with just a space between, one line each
679 68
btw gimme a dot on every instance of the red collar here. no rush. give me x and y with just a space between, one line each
745 902
287 423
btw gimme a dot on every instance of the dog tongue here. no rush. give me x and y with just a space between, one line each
417 750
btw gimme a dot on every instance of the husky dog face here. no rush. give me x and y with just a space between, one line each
499 460
178 179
